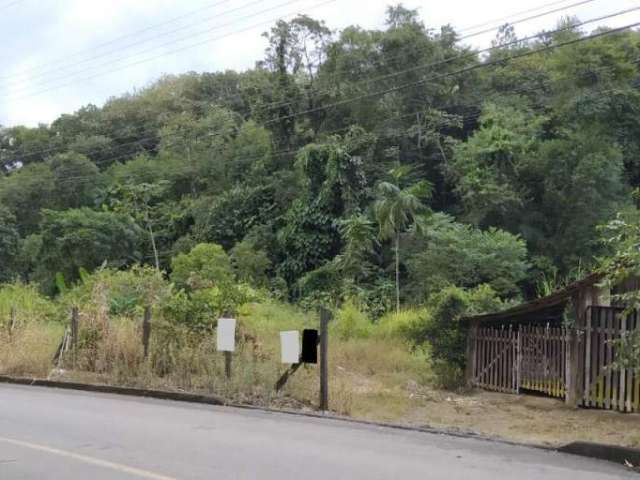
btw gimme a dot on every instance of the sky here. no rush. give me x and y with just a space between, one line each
58 55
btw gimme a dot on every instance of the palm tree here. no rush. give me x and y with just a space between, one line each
398 208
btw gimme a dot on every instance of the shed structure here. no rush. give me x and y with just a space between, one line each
561 345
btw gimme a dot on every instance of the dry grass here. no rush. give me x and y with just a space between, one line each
376 377
29 349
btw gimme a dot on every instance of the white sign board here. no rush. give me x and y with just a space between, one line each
290 346
226 337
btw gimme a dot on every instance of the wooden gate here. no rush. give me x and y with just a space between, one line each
605 386
508 360
494 361
543 359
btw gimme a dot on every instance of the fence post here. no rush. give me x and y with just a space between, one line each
146 330
325 316
471 353
573 390
74 332
227 364
12 321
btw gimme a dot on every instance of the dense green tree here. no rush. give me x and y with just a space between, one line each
451 253
78 239
9 245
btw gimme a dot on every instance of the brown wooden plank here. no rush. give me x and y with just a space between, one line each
622 384
514 360
614 372
545 361
505 359
555 347
501 359
593 394
631 325
481 362
607 360
601 358
587 354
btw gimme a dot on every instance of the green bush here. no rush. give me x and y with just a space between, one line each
29 304
351 322
446 333
124 292
205 266
400 325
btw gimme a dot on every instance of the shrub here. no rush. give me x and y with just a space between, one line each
205 266
400 325
445 332
30 305
125 292
351 322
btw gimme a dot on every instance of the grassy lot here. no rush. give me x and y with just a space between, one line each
374 374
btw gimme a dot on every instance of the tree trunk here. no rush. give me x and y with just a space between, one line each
397 272
153 246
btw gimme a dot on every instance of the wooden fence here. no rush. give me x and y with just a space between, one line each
543 359
509 360
605 386
536 358
495 358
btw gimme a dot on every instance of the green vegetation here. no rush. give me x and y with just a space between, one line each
370 171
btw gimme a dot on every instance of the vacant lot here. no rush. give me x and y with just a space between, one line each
521 418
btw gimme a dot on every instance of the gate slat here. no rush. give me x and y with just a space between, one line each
622 397
593 391
607 391
587 359
602 356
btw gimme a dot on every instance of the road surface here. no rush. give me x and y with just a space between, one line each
49 434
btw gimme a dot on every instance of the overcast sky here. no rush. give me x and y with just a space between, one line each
57 55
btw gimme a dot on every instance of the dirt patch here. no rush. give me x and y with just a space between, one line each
522 418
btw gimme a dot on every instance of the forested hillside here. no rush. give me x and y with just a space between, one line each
343 165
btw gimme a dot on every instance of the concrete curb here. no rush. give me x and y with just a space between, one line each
612 453
132 392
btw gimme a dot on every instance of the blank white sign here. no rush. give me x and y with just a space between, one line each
290 346
226 337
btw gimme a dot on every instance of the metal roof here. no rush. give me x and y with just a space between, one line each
541 309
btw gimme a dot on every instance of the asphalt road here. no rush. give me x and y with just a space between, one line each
49 434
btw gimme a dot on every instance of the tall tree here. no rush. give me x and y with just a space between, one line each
397 208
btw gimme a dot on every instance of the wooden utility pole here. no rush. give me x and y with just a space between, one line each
325 316
146 330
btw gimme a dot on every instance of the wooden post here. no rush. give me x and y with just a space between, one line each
573 391
227 364
12 321
325 316
471 353
146 330
74 331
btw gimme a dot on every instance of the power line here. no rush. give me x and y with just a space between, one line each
165 34
463 70
463 118
176 50
527 19
71 74
115 40
10 4
433 64
506 18
458 72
